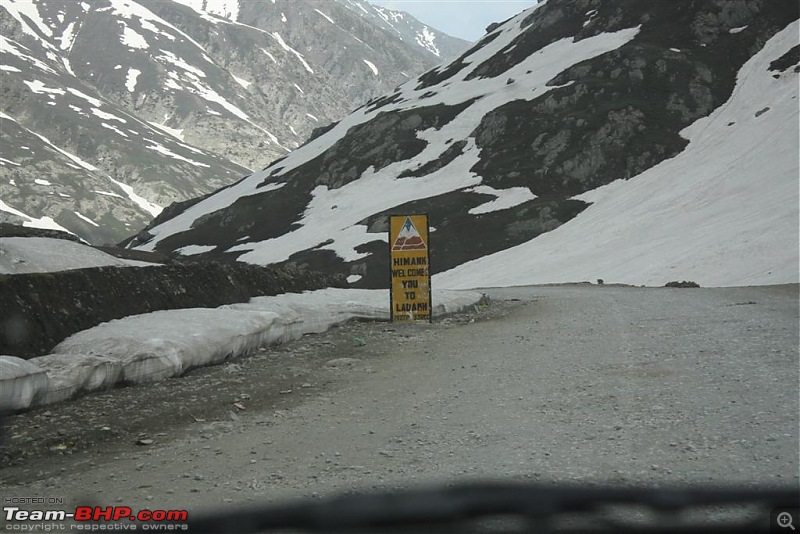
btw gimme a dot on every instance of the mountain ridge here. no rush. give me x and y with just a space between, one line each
170 100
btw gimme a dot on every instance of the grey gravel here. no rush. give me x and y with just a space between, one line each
573 383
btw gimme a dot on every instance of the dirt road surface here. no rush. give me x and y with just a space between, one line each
577 383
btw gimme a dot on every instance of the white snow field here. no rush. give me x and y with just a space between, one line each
724 212
154 346
45 255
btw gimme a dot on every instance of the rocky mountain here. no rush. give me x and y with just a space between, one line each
112 109
664 133
408 29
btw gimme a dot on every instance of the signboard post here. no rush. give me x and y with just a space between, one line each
409 262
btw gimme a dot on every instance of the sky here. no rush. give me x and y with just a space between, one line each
466 19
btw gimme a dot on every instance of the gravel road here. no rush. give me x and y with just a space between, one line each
575 383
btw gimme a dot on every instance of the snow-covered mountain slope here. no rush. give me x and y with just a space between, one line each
503 146
407 28
115 108
428 41
722 212
135 168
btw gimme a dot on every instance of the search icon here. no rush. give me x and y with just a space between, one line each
785 520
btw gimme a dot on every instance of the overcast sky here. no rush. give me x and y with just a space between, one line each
466 19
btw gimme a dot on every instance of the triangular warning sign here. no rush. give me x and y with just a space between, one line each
408 238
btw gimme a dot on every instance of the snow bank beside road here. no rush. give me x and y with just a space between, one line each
154 346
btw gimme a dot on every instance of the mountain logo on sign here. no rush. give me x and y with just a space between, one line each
408 238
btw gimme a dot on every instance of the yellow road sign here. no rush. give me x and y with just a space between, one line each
409 263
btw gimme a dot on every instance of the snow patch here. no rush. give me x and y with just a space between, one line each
226 9
149 26
72 157
113 128
130 80
213 96
85 218
108 194
134 10
133 39
427 40
95 102
11 47
46 255
506 198
150 207
67 37
174 132
25 11
291 50
241 81
326 16
107 116
169 57
172 84
33 222
167 152
67 66
371 66
269 55
39 88
191 250
190 148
